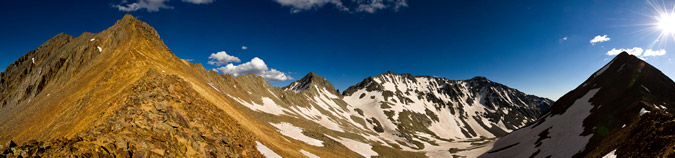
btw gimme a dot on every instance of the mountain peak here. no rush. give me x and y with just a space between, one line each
128 17
389 73
613 107
126 20
309 80
312 74
479 78
624 54
129 24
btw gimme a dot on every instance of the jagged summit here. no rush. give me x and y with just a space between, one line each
128 19
625 108
130 27
389 73
479 78
311 79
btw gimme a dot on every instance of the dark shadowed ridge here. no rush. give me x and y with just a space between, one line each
631 115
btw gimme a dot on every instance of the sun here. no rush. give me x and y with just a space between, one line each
663 22
666 23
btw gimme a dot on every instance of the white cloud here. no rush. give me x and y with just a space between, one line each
369 6
564 38
222 58
637 51
244 48
255 66
149 5
303 5
599 39
400 4
198 1
659 52
152 5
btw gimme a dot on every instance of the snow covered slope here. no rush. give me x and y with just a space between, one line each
624 109
417 111
391 113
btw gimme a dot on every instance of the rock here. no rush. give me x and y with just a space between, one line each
12 144
159 152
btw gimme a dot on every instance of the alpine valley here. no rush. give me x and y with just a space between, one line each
122 93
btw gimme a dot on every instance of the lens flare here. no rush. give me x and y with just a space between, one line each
663 21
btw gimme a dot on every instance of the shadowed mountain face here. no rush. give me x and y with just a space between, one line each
624 109
121 92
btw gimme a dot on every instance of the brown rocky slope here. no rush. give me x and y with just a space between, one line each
122 92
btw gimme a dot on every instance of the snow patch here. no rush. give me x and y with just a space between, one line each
99 48
315 115
361 148
308 154
565 131
267 152
610 154
663 107
643 86
603 69
296 86
33 60
621 68
210 84
643 111
92 39
273 94
268 106
294 132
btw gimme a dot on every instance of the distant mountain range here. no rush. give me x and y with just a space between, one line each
122 93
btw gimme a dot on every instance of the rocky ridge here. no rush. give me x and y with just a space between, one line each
128 95
625 109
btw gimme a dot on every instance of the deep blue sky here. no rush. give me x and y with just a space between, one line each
517 43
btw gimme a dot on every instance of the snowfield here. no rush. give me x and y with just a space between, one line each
603 69
361 148
610 154
291 131
267 152
416 114
308 154
564 131
268 106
